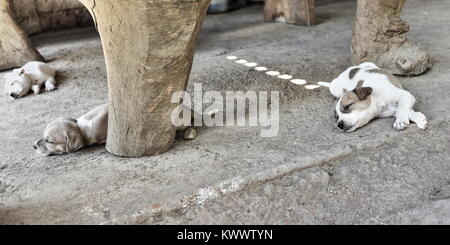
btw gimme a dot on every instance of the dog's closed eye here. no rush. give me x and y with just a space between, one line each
346 108
48 141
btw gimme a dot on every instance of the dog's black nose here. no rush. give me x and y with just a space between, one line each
341 125
34 146
13 95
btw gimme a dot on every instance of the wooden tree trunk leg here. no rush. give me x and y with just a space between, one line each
380 37
15 46
300 12
149 48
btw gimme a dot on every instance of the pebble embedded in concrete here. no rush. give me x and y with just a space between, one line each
273 73
251 64
190 134
298 81
285 77
261 68
312 87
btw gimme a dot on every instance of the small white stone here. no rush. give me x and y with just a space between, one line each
241 61
232 57
312 86
285 77
273 73
250 64
299 81
190 134
261 68
323 84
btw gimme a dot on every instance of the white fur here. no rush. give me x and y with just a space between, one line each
94 125
387 100
32 76
280 19
342 82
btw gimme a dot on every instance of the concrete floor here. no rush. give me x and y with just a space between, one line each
309 174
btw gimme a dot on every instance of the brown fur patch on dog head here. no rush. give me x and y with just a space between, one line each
353 72
357 99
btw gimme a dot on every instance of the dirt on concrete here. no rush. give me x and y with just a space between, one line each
311 173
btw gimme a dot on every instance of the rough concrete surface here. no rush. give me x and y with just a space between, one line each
309 174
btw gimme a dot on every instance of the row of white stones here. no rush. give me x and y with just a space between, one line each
273 73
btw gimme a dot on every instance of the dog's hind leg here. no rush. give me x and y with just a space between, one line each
50 84
418 118
405 105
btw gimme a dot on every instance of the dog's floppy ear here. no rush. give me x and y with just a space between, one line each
363 92
74 141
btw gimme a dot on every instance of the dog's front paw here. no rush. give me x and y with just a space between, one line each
36 89
49 87
420 119
401 124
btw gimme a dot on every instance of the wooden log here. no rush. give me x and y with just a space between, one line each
300 12
149 47
16 48
380 37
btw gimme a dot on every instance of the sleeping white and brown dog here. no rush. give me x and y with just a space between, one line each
367 92
33 76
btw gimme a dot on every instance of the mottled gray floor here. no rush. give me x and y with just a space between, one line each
309 174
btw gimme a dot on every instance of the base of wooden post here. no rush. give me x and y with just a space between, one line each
300 12
16 48
380 36
149 48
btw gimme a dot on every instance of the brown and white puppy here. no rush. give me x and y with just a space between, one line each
65 135
366 92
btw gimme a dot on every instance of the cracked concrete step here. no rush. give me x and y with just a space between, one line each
395 183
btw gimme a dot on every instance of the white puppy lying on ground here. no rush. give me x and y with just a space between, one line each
366 92
32 76
65 135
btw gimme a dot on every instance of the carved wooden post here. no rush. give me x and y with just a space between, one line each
300 12
15 46
380 36
149 47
